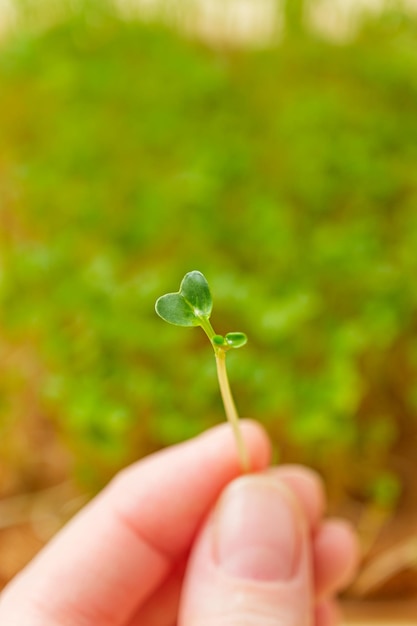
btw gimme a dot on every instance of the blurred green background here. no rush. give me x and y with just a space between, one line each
131 154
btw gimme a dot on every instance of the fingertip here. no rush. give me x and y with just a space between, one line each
336 556
258 442
346 536
255 436
307 485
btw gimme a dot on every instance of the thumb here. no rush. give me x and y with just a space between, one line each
251 563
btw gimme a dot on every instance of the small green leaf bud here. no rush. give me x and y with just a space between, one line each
236 340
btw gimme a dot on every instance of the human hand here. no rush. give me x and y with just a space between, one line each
155 548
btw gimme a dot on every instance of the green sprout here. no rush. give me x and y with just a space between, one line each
192 306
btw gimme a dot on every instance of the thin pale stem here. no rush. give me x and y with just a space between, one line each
230 408
226 393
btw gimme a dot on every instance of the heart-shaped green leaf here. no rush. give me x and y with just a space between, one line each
189 305
236 340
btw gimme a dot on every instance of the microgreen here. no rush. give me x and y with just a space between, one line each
192 306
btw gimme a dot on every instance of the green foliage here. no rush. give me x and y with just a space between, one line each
129 155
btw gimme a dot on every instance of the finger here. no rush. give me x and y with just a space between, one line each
251 563
113 555
335 556
307 486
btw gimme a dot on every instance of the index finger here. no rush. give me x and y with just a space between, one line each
119 549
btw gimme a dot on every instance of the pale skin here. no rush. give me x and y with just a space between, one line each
122 560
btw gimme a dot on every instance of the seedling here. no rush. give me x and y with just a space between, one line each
192 306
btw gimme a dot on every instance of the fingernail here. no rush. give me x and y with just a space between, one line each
257 531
